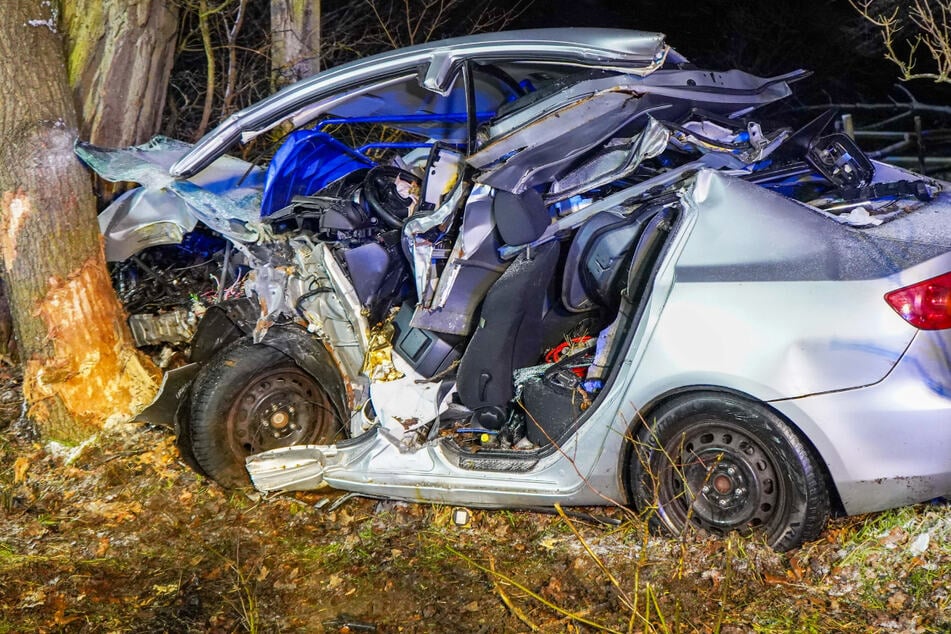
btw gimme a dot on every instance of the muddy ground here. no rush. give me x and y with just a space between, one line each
120 536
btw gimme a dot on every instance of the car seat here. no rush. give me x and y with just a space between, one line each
508 335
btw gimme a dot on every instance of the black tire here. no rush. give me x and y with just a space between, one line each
251 398
722 463
183 435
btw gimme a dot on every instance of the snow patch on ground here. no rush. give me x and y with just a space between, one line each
66 453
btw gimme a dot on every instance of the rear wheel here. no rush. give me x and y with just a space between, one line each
251 398
722 463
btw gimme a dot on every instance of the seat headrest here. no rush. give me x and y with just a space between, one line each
520 218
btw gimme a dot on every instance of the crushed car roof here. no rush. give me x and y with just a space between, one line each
635 52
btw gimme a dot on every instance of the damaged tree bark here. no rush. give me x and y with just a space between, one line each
80 366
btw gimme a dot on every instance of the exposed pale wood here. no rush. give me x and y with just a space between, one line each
79 363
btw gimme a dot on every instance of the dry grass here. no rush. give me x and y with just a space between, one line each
125 538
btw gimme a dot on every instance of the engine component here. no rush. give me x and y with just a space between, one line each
175 326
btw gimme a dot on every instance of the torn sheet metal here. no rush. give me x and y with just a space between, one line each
320 292
471 268
422 248
531 146
627 198
750 145
225 197
619 158
534 144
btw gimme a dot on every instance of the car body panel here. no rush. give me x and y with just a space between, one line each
784 263
226 196
749 266
888 443
793 371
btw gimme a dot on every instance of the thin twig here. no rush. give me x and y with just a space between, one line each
571 615
617 586
508 602
203 14
232 78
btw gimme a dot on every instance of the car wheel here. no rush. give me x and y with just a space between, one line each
722 463
251 398
183 435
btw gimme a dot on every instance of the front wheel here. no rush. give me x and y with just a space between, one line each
251 398
722 463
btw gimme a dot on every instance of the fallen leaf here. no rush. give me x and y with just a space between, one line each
553 589
32 599
897 601
893 537
59 616
774 580
117 512
165 589
715 577
795 568
20 468
549 543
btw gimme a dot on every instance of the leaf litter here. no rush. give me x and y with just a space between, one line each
120 536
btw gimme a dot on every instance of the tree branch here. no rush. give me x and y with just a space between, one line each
932 35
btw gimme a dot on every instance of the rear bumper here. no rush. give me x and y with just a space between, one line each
888 444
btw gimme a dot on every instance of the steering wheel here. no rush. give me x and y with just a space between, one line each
382 196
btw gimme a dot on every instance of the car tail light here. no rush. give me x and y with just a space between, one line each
925 305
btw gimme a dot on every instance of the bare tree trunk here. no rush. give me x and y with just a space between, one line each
8 347
119 58
80 366
295 39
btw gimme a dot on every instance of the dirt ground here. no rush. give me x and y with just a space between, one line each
118 535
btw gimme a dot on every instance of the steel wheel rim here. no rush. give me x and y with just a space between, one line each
719 477
279 408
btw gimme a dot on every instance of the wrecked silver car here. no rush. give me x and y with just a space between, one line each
544 266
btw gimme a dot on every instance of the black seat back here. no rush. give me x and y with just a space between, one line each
509 334
597 262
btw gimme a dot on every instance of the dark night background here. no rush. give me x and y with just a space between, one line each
767 38
827 37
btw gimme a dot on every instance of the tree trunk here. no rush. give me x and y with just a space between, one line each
295 40
119 57
80 366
